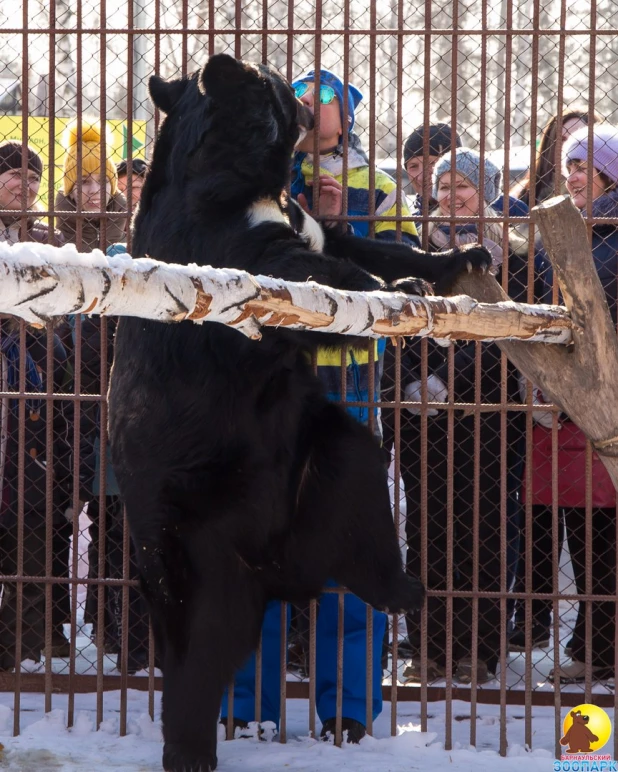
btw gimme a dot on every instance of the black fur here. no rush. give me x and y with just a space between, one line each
242 482
394 261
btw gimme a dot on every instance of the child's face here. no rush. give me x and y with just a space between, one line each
330 122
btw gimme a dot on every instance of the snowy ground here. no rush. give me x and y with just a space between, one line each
45 744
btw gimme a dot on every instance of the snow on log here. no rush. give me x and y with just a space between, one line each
40 281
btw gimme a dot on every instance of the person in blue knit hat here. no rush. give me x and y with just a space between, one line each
333 126
331 86
362 367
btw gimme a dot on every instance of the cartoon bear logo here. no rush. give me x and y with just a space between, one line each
578 737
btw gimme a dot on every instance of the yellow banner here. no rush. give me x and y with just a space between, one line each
39 139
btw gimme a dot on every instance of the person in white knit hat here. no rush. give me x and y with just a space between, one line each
591 166
604 177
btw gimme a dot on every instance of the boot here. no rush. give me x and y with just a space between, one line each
539 638
575 672
60 644
355 730
413 674
463 672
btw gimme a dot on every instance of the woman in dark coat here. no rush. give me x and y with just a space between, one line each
600 181
476 449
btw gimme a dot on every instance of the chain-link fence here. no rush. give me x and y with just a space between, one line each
502 508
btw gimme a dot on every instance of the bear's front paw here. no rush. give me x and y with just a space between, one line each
473 257
177 758
462 260
411 286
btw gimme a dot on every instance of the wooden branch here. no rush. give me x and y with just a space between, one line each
583 378
40 281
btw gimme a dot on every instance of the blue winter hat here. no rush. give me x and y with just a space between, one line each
328 78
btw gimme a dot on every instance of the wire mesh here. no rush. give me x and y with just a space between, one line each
502 508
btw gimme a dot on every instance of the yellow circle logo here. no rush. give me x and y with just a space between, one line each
586 729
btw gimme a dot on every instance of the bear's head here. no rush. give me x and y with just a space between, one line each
228 135
578 718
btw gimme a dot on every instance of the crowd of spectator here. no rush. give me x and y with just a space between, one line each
463 473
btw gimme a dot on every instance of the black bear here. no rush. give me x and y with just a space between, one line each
242 482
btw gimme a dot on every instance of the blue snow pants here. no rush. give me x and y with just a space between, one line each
354 663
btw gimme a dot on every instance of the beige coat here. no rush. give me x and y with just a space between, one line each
66 218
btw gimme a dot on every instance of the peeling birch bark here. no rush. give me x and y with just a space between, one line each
39 281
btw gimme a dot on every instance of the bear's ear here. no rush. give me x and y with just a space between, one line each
222 75
165 93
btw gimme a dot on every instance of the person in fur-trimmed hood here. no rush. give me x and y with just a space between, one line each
89 198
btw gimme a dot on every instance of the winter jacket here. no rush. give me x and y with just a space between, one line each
36 410
34 449
61 412
11 232
358 178
357 360
517 208
571 440
91 223
90 378
604 250
90 384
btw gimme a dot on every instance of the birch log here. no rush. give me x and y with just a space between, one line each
40 281
581 379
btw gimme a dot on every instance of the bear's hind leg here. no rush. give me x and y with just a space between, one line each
344 527
207 607
219 634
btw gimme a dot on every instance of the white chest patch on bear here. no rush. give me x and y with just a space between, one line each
267 210
312 233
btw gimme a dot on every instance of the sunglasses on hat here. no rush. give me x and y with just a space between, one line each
327 93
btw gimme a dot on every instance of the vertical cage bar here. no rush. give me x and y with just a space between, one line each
588 558
49 512
19 587
283 652
77 385
312 656
103 119
508 63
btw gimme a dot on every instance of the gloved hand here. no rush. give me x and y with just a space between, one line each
436 392
69 512
541 417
